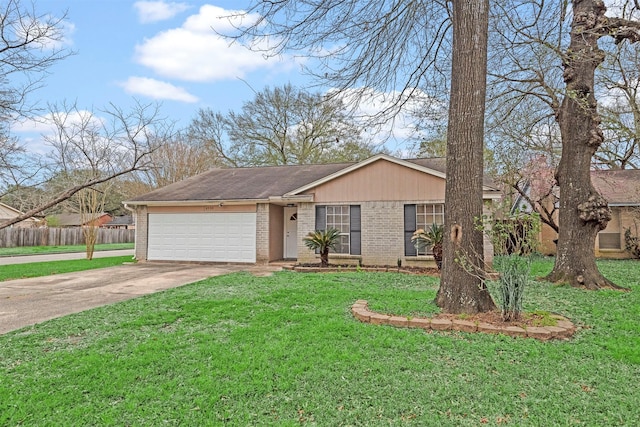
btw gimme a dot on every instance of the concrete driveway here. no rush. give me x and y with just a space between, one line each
26 302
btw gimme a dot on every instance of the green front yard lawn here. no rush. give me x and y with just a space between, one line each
47 268
284 350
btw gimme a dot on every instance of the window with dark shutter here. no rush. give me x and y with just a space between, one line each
355 230
346 219
321 217
409 228
426 215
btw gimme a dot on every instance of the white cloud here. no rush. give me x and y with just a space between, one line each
154 11
196 51
45 124
32 126
157 90
58 36
34 132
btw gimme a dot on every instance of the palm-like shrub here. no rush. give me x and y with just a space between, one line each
430 238
322 240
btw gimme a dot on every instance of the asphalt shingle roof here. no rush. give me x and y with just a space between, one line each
121 220
256 183
242 183
618 187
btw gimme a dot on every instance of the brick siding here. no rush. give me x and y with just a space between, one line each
382 236
382 232
142 230
262 233
306 224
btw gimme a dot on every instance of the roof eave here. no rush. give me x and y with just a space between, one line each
11 208
193 202
292 198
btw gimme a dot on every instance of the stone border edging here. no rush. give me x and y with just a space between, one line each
563 330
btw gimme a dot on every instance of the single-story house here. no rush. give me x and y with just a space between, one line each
621 189
7 213
66 220
122 222
261 214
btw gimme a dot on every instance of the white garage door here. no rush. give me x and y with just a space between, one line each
219 237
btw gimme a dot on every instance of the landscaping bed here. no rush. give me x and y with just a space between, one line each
334 268
531 325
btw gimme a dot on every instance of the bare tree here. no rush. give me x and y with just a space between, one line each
545 42
207 131
526 150
17 167
91 202
283 125
619 75
396 47
525 81
530 41
175 160
30 43
583 211
103 149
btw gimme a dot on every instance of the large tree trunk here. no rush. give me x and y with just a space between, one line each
462 288
583 211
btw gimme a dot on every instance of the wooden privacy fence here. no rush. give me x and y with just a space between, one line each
17 237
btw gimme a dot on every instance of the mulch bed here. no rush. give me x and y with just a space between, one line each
332 268
526 320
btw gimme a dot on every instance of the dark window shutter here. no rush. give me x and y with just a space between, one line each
355 229
409 228
321 219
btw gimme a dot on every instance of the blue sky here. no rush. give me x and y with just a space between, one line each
166 51
157 51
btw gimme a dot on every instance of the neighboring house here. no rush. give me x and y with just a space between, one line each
621 189
67 220
261 214
8 213
124 222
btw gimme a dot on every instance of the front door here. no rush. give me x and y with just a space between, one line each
291 233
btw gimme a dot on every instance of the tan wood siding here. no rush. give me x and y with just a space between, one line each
381 181
276 232
206 208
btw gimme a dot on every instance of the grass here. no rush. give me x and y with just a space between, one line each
38 250
38 269
285 350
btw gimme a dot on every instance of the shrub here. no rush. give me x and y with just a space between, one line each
322 240
431 238
632 243
516 234
514 275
